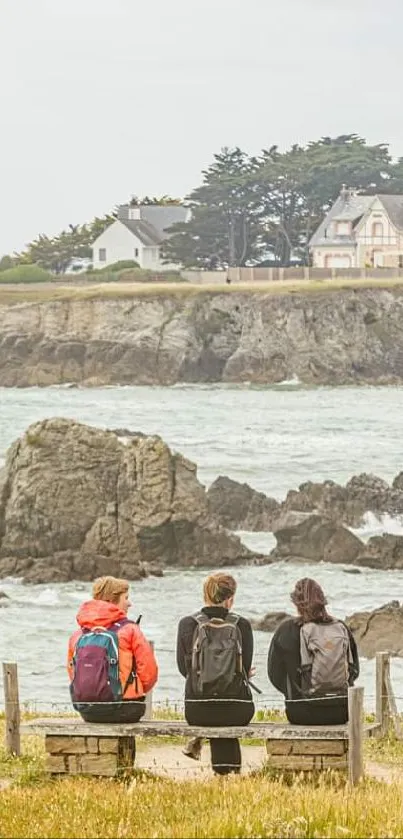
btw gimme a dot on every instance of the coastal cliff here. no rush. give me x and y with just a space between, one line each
345 336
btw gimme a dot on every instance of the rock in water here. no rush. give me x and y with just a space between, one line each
239 507
316 539
270 621
77 502
379 630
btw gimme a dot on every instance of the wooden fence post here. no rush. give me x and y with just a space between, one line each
355 734
12 708
382 704
149 697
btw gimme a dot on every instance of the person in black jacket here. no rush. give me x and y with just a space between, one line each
284 661
236 706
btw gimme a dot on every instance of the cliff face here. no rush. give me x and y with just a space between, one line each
340 337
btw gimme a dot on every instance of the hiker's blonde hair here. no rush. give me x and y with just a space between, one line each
109 588
217 588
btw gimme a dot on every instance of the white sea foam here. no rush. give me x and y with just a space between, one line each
376 525
293 382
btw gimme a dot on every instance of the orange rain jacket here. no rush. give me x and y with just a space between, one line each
135 653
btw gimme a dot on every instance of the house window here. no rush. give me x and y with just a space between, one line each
343 228
102 255
136 252
377 230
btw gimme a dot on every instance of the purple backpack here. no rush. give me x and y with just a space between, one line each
96 666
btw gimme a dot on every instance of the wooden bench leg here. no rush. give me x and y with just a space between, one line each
307 755
78 755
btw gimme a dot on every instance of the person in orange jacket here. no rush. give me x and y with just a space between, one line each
111 665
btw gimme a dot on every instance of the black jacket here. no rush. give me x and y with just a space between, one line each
184 643
284 658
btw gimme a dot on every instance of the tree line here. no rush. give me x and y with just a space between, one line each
248 209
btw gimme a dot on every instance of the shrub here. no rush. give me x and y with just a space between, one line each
6 262
118 266
25 274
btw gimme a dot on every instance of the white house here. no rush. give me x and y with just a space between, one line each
137 234
360 231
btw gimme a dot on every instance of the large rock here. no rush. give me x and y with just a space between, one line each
316 539
270 621
239 507
77 501
382 552
379 630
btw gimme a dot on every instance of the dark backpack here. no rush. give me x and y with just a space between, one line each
216 656
96 666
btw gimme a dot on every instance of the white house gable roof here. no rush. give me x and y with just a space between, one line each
352 207
144 231
153 221
348 207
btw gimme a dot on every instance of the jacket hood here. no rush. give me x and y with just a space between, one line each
99 613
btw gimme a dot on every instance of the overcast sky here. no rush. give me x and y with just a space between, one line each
102 99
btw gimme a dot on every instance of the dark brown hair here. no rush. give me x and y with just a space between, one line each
217 588
310 600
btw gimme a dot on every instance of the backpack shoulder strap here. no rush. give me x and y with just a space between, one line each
118 624
232 618
201 618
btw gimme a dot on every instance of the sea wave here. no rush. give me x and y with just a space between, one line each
376 525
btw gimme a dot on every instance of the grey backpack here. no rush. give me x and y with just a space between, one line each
216 655
325 658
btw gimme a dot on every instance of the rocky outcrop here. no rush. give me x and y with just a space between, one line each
316 539
270 621
239 507
382 552
347 504
107 336
378 630
77 502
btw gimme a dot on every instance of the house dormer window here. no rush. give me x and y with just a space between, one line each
343 228
377 230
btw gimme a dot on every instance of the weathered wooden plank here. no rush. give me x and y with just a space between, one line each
335 762
56 764
127 752
105 764
355 726
307 747
12 707
65 745
92 745
108 745
382 705
295 763
168 728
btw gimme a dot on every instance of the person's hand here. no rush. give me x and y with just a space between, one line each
252 672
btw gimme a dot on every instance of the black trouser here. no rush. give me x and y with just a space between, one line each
225 751
331 711
130 710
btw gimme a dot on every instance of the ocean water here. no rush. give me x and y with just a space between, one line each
274 438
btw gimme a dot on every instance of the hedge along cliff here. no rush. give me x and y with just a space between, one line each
326 337
77 502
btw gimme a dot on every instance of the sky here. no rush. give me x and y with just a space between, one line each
103 99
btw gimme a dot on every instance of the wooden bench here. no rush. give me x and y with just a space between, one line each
76 747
